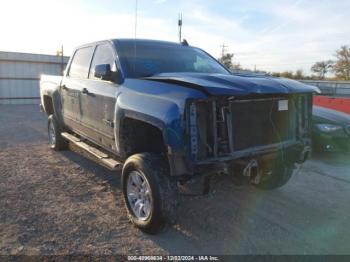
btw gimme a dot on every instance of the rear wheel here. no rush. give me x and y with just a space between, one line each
150 194
277 177
56 141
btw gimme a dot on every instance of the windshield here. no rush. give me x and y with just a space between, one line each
153 58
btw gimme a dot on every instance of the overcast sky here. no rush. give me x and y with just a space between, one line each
273 35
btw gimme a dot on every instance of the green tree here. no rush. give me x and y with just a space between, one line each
341 67
299 74
276 74
287 74
322 68
226 60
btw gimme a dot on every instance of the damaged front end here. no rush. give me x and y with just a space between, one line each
229 134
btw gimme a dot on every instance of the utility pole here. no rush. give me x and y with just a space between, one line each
223 50
60 53
180 27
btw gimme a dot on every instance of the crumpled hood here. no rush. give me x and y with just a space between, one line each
235 84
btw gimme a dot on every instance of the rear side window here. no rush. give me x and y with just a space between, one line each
81 63
103 55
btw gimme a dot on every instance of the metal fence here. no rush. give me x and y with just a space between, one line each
20 75
332 88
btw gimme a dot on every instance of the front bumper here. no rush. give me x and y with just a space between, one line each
290 151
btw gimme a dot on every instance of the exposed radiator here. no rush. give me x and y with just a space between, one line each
261 122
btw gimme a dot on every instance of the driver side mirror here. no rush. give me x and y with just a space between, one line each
104 72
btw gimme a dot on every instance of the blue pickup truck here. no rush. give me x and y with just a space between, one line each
170 115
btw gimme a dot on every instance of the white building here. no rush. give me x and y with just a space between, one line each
20 75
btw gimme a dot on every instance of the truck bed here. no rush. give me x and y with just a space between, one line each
49 82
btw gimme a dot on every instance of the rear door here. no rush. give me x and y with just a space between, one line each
98 102
72 85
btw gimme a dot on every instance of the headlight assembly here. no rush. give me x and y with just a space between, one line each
328 128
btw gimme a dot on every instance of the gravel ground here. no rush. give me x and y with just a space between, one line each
64 203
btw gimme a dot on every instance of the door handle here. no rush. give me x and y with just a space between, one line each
85 91
108 122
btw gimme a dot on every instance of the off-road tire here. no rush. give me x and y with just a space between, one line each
60 143
163 191
277 177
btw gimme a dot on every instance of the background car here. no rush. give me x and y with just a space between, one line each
330 130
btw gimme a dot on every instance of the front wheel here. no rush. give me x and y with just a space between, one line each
150 194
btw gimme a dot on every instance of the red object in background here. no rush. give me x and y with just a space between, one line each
337 103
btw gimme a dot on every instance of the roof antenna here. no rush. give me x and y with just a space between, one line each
180 27
136 8
184 42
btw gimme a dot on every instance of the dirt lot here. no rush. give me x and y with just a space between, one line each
63 203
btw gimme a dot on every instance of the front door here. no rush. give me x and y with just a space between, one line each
98 100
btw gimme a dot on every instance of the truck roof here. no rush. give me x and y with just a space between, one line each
145 41
132 41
